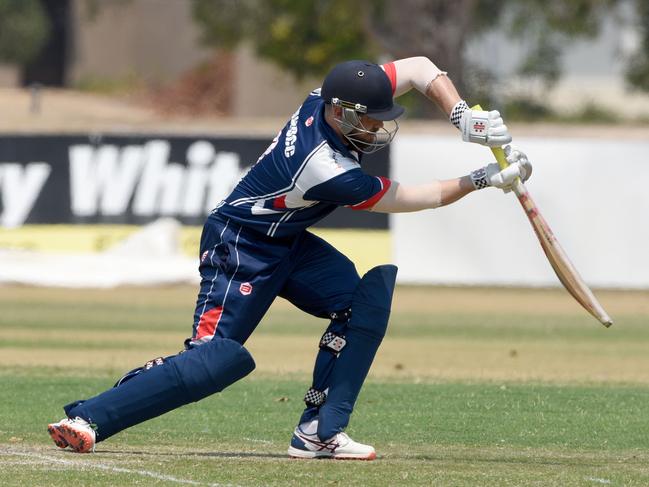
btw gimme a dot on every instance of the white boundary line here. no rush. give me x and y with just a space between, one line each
255 440
110 468
597 480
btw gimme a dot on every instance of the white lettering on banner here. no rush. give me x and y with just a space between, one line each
199 157
105 179
153 182
20 186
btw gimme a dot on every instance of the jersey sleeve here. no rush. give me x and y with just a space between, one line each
391 70
353 188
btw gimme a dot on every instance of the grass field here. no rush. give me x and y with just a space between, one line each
472 387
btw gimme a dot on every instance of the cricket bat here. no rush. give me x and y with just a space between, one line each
557 257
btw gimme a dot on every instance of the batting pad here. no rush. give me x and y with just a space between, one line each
184 378
342 375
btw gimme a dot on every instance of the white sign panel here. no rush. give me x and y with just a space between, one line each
592 192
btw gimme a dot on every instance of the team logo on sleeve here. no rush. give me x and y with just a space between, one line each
204 255
308 121
245 288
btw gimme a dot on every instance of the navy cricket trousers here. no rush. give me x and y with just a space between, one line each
243 271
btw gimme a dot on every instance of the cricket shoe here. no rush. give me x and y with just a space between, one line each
75 433
339 446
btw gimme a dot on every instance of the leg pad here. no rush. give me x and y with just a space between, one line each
183 378
342 372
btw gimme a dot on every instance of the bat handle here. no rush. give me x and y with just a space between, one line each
498 152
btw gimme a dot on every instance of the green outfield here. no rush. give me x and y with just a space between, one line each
472 387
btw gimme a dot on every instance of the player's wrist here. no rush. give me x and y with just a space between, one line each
456 113
479 178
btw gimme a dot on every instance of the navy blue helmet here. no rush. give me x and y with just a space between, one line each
362 86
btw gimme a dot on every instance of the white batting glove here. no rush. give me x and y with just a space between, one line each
485 128
514 156
492 175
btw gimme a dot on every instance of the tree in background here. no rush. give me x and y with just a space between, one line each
437 29
302 37
638 72
544 28
24 29
306 37
548 25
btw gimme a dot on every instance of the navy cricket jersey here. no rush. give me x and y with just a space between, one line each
305 174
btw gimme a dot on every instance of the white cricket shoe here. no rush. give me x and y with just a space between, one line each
339 446
75 433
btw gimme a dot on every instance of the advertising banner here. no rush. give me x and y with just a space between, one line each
134 179
591 191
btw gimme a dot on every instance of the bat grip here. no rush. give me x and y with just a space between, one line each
498 152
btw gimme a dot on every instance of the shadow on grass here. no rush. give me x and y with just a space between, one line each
577 461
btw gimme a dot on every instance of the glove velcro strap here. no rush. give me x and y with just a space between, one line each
331 342
479 178
456 114
314 398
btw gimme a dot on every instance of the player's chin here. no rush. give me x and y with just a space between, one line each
362 145
365 143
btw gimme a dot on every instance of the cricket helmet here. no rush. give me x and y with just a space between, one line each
362 88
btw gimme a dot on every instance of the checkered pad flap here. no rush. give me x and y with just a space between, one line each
314 397
332 343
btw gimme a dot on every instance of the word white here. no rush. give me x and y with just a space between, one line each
105 179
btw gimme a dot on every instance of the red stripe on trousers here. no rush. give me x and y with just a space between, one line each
208 322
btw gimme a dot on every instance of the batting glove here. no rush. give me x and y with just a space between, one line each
485 128
491 175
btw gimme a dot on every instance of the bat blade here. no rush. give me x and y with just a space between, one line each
563 268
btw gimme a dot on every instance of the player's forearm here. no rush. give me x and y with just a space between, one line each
402 199
478 126
455 189
443 92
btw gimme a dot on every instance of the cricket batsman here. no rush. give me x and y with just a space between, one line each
256 246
